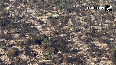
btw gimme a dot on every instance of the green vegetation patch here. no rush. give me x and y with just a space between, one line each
4 1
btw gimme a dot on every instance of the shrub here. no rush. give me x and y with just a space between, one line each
2 43
4 1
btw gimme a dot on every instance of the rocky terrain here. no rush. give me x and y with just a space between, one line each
56 32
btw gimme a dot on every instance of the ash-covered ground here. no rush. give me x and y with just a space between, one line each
56 32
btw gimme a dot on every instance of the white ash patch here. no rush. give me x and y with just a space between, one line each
24 57
5 59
